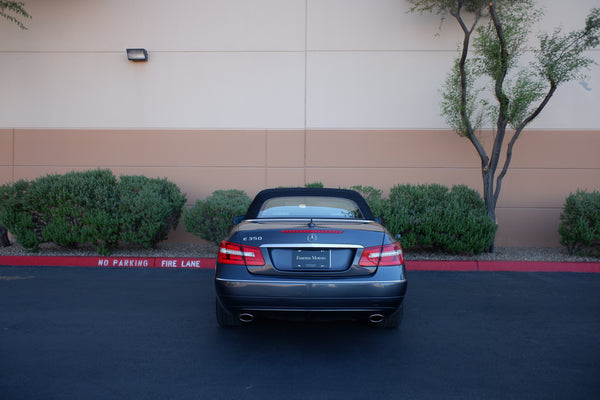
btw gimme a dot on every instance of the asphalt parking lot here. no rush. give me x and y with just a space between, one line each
73 333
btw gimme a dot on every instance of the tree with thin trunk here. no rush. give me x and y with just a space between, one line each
488 86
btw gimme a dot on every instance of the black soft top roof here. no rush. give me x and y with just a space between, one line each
267 194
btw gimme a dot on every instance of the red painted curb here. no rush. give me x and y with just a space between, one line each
422 265
209 263
110 262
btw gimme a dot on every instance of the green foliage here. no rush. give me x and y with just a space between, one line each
580 223
89 207
15 216
12 11
148 209
77 207
314 185
495 52
430 217
212 219
525 93
433 217
495 59
65 209
468 115
489 86
445 7
560 56
374 198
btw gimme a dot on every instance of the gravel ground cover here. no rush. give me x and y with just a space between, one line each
550 254
201 250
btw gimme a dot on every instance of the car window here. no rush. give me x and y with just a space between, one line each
309 207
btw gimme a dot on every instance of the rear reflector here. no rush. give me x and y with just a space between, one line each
232 253
310 231
389 254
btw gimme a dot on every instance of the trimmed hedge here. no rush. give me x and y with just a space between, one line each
433 217
380 207
430 217
90 207
580 224
148 209
212 219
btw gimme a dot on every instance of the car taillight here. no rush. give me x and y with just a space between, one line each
231 253
388 254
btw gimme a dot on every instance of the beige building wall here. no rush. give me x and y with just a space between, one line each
251 94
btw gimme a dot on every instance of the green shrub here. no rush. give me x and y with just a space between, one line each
433 217
89 207
148 209
580 223
69 209
212 219
15 216
380 207
79 208
314 185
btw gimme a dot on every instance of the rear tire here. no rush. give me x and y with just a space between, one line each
225 318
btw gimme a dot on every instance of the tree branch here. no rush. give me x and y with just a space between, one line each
519 130
462 70
470 134
500 96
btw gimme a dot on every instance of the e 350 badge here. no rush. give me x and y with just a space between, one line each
252 238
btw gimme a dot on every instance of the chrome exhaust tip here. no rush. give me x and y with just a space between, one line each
376 318
246 317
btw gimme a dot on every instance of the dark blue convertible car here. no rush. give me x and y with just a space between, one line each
310 253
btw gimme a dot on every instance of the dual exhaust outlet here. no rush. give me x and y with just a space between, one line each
246 317
373 318
376 318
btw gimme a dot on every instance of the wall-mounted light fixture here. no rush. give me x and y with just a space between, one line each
137 55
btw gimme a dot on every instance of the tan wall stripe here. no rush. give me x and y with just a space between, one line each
547 165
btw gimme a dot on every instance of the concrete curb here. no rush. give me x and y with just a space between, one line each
209 263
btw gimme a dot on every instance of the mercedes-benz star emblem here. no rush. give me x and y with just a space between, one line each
312 237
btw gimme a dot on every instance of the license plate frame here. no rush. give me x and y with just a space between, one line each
319 259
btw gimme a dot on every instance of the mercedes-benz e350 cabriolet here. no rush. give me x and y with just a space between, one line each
310 253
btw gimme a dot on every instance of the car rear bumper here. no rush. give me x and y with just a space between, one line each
238 290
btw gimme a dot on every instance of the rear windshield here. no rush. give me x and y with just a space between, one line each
309 207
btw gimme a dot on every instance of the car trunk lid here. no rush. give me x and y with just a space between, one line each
315 247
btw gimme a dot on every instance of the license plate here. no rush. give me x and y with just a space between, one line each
309 259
